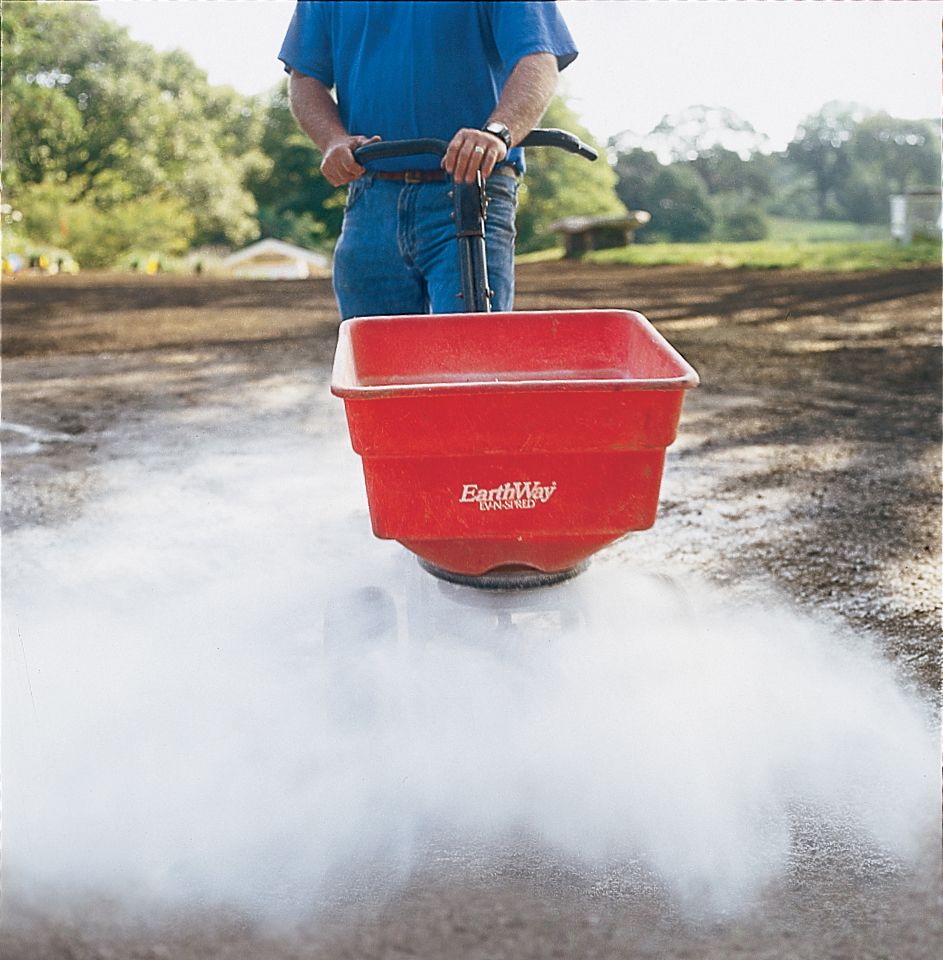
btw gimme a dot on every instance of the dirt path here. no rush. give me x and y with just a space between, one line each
808 464
825 385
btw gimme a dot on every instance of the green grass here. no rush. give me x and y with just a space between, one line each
766 255
774 255
540 256
823 231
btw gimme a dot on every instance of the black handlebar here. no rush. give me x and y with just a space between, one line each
470 203
383 150
559 138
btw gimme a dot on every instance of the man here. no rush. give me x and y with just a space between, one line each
477 75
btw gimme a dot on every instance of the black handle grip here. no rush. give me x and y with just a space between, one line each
384 149
559 138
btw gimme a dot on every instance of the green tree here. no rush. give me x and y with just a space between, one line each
295 202
635 170
122 124
820 151
699 130
887 156
906 153
727 172
743 222
791 192
854 158
59 216
679 205
699 167
675 196
560 184
42 130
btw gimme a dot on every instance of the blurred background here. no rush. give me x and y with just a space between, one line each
153 136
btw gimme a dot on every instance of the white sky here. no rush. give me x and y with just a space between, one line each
771 61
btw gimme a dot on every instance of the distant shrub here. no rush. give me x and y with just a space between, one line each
56 214
747 223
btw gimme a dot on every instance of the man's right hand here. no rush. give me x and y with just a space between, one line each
339 166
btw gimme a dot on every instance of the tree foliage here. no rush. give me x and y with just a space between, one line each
295 202
854 158
696 131
675 195
842 164
561 184
699 173
110 147
820 150
110 126
97 236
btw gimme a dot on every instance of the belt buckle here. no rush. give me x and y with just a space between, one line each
412 176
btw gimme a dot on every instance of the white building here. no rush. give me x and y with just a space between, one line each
276 260
916 213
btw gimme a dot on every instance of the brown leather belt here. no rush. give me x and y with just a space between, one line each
411 176
430 176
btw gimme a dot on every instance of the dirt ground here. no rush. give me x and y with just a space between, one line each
809 463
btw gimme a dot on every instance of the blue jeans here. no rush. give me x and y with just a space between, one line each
397 252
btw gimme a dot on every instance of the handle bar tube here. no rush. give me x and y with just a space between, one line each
550 137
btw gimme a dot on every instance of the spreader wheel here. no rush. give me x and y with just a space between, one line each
505 578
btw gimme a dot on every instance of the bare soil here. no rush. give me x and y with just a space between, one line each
809 462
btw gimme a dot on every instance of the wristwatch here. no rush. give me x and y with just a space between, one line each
499 130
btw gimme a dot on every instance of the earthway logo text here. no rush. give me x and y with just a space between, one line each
513 495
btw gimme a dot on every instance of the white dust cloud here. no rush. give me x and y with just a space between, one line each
219 687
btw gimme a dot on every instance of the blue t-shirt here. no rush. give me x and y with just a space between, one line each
420 69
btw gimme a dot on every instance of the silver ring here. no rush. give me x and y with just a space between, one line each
479 150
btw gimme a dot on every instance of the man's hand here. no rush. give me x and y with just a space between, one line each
339 166
471 151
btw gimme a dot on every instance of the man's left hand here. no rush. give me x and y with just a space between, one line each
471 152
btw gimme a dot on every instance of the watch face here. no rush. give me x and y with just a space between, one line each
500 130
